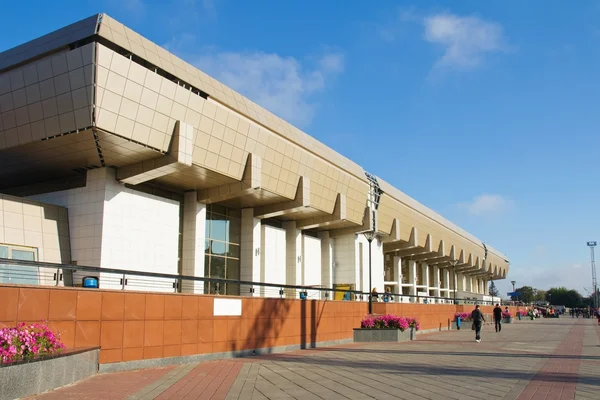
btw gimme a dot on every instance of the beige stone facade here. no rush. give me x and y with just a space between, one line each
98 95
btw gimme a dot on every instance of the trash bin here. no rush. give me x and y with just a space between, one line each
90 282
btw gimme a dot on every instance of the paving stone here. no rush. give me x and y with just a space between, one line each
548 358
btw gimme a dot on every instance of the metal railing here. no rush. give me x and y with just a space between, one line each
17 272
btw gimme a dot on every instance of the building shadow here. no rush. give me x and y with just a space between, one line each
500 354
266 327
377 366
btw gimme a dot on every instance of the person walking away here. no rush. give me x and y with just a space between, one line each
498 317
478 320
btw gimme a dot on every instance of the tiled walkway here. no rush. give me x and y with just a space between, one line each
543 359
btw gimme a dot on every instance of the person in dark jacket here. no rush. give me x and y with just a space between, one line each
498 317
478 320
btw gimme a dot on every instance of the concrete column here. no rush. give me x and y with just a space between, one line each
250 251
293 251
326 259
436 281
425 272
398 272
486 288
412 273
192 254
449 283
469 284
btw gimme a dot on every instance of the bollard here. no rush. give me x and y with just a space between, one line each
458 323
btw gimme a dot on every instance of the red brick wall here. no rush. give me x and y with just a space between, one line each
135 325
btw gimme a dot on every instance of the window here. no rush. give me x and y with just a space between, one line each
18 274
405 274
222 248
389 270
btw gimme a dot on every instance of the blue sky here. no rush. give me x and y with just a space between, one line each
485 112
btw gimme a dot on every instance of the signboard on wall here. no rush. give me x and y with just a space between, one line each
227 307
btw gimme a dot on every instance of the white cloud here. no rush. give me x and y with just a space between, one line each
486 204
465 40
285 86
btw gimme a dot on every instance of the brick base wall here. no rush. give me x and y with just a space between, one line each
135 325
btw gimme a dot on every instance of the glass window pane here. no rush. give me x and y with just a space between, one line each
215 208
233 269
207 246
235 230
207 226
218 228
206 265
23 255
233 272
218 248
217 267
21 274
3 252
233 250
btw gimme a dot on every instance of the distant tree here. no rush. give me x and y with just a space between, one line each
525 294
562 296
494 290
540 295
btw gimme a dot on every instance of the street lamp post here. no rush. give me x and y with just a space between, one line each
591 245
370 235
453 263
513 283
375 194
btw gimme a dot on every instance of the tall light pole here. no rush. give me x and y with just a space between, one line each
453 263
591 245
370 235
375 194
513 283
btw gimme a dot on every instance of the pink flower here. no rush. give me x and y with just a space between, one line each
27 341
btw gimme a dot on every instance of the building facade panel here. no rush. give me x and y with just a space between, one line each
46 98
265 200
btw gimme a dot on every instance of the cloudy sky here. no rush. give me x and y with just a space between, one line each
486 113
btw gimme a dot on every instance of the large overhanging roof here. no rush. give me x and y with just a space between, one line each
117 151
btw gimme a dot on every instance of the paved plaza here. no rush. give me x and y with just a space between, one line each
543 359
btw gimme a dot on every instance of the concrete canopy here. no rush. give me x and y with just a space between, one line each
97 94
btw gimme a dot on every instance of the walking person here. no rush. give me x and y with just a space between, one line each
478 320
498 317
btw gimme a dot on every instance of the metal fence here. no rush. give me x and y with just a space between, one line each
17 272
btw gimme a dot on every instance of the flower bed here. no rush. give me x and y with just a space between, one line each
386 328
389 322
507 317
28 341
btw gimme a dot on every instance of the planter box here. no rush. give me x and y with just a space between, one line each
38 375
382 335
508 320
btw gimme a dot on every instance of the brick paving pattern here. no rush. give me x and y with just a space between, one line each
543 359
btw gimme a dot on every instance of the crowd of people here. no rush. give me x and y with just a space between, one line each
534 312
585 313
